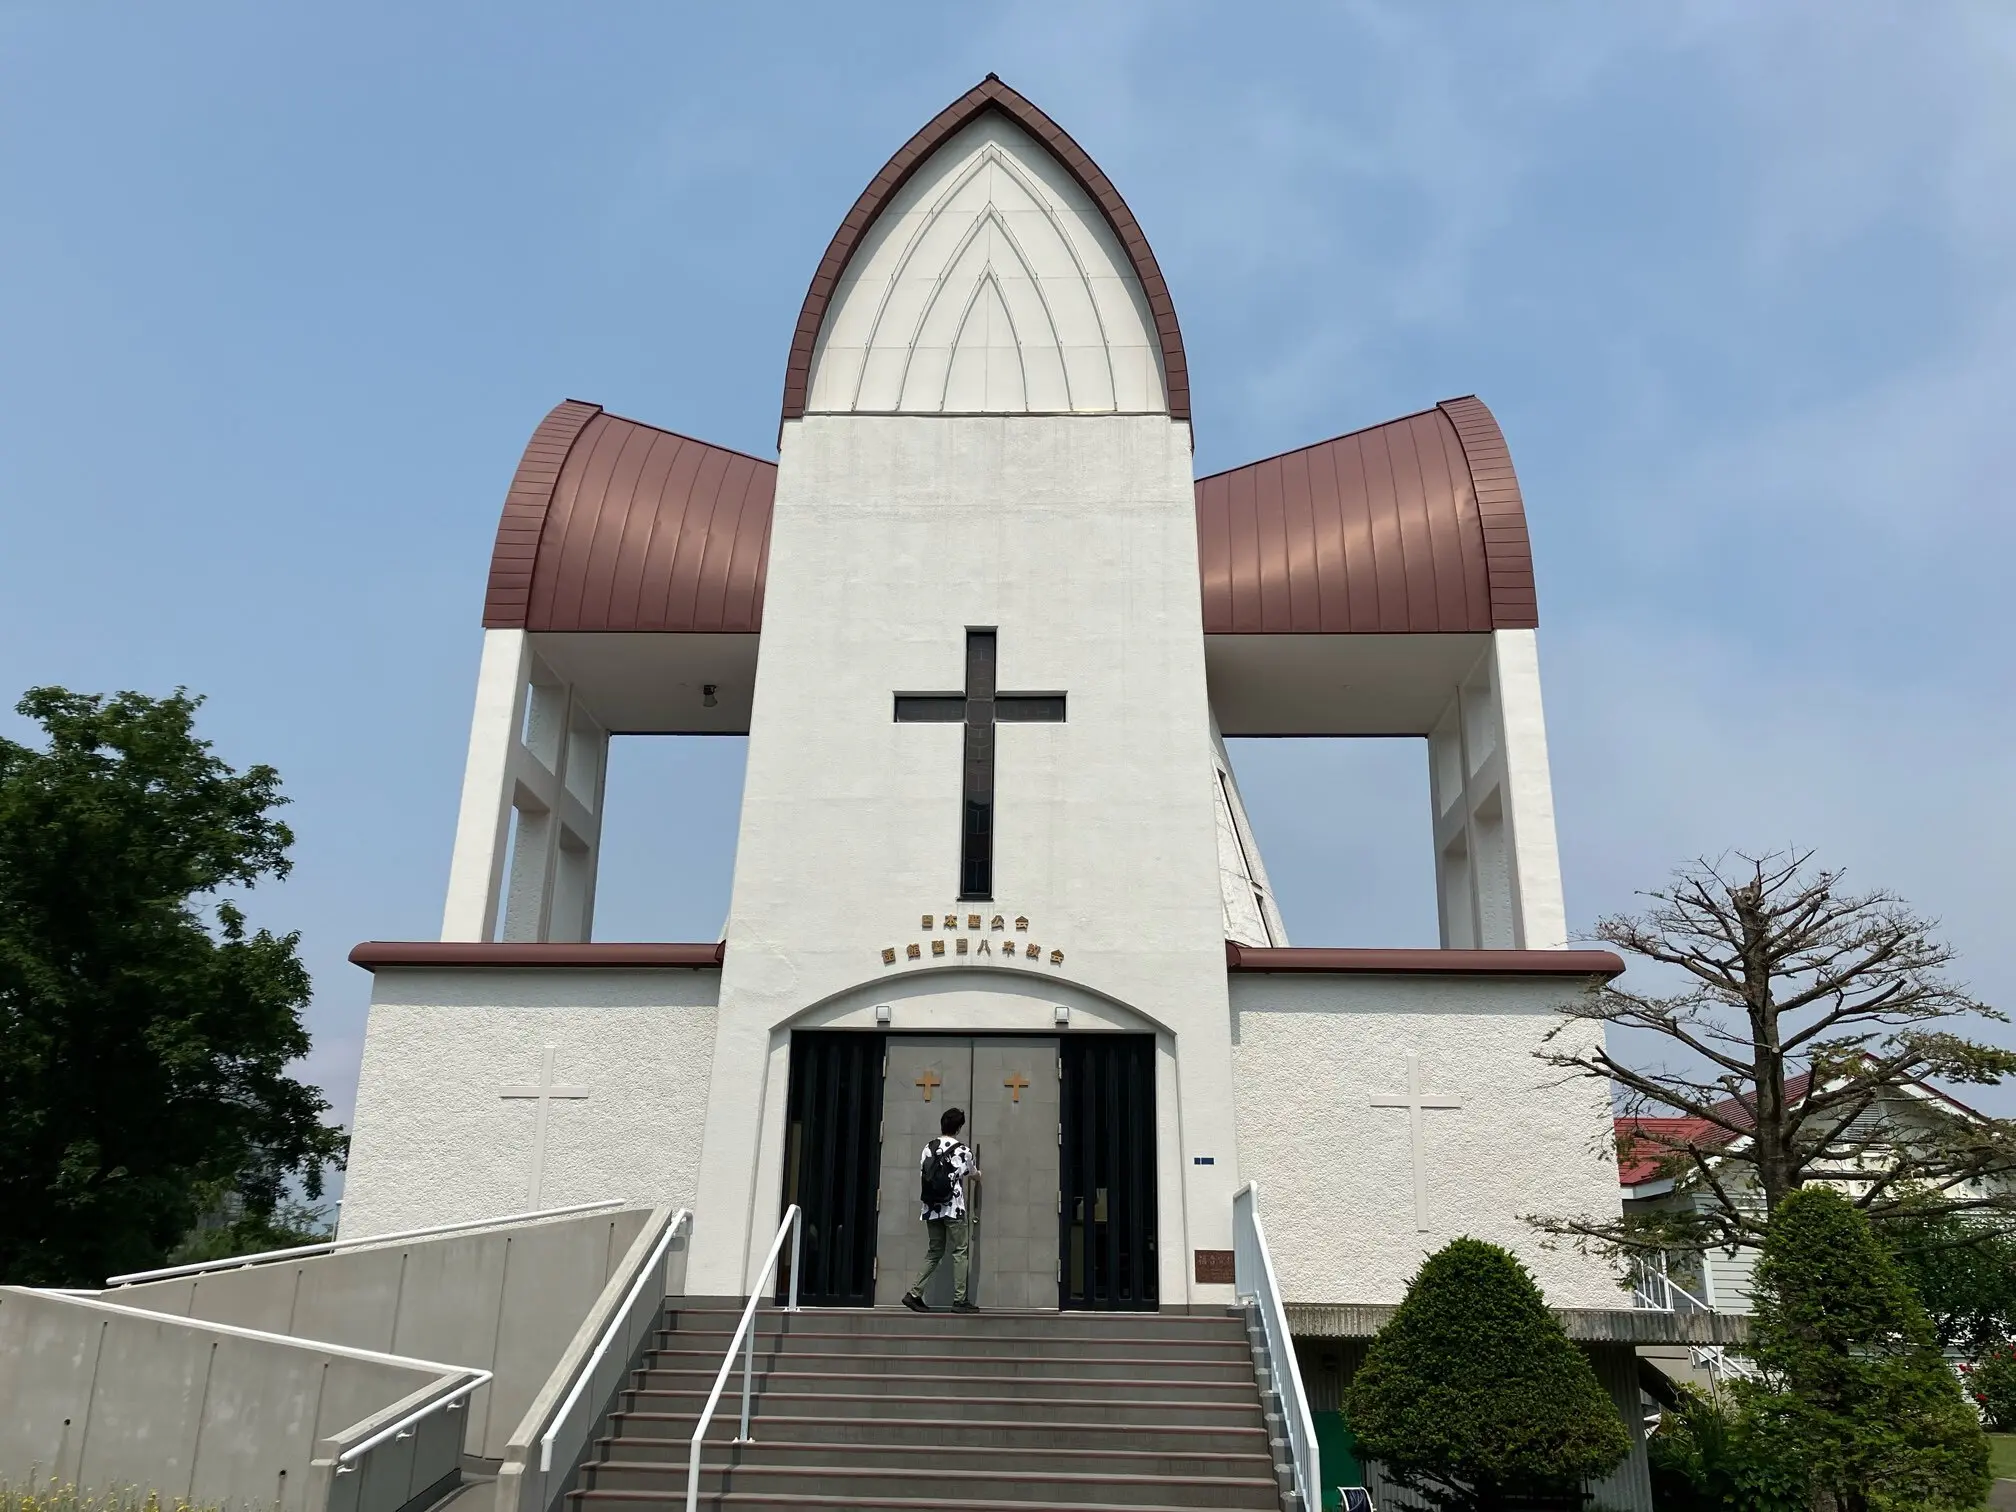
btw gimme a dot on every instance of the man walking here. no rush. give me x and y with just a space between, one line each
944 1167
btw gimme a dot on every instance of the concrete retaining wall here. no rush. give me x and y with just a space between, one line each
104 1396
507 1300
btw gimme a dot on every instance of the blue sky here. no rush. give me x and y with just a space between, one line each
283 290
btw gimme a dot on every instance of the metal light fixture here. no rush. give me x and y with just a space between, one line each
1062 1016
883 1013
707 698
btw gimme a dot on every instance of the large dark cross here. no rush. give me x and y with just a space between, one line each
981 707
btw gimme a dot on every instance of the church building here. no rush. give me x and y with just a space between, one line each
988 633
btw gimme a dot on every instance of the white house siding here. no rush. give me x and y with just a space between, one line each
436 1141
1336 1172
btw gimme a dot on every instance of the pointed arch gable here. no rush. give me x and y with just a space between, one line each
990 95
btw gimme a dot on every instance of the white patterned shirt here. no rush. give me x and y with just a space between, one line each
962 1162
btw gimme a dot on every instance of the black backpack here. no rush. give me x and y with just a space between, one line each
937 1188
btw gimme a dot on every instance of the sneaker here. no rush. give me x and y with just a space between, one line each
914 1302
964 1307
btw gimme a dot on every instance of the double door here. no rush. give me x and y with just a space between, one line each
1063 1130
1008 1089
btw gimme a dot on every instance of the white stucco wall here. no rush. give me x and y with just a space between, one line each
1336 1171
435 1141
1075 536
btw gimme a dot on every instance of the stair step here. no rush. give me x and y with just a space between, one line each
923 1478
1018 1435
1045 1382
885 1410
1076 1325
759 1501
672 1367
1097 1408
977 1340
1122 1458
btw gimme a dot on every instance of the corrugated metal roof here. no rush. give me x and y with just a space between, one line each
614 525
1414 526
989 94
1411 526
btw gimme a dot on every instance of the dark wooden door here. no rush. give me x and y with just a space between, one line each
832 1142
1107 1227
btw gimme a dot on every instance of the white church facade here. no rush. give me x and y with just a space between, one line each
986 633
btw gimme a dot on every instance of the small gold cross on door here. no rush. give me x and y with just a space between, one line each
928 1081
1015 1082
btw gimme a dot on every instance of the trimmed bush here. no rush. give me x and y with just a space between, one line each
1857 1395
1474 1398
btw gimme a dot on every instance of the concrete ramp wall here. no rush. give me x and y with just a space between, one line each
506 1300
103 1396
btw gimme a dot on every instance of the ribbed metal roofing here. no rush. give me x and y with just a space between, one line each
1414 526
615 525
1411 526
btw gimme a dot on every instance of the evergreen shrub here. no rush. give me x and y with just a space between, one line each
1474 1397
1856 1395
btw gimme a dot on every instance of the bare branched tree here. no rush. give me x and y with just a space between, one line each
1807 1023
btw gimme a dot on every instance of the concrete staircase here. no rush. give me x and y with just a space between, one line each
1035 1412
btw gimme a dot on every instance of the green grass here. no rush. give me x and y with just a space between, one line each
2001 1455
55 1497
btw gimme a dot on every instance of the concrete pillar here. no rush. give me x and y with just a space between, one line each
532 790
1497 863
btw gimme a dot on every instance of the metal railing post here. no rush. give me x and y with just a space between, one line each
797 1244
745 1339
748 1369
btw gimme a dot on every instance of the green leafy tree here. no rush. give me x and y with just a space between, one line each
1474 1397
1856 1395
1805 1020
1965 1274
145 1031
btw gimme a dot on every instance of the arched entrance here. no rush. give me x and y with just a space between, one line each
1063 1128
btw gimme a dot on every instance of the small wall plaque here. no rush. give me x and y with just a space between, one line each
1214 1267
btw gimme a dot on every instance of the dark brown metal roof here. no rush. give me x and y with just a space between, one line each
1408 527
989 94
375 953
613 525
1361 962
1411 526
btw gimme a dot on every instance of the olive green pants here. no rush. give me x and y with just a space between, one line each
959 1233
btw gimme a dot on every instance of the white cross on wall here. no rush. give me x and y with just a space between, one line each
1414 1102
546 1094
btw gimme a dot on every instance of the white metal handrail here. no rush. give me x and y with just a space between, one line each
793 1225
328 1246
1653 1290
1254 1280
346 1462
682 1223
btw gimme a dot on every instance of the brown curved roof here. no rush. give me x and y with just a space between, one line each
1411 526
1408 527
614 525
989 94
